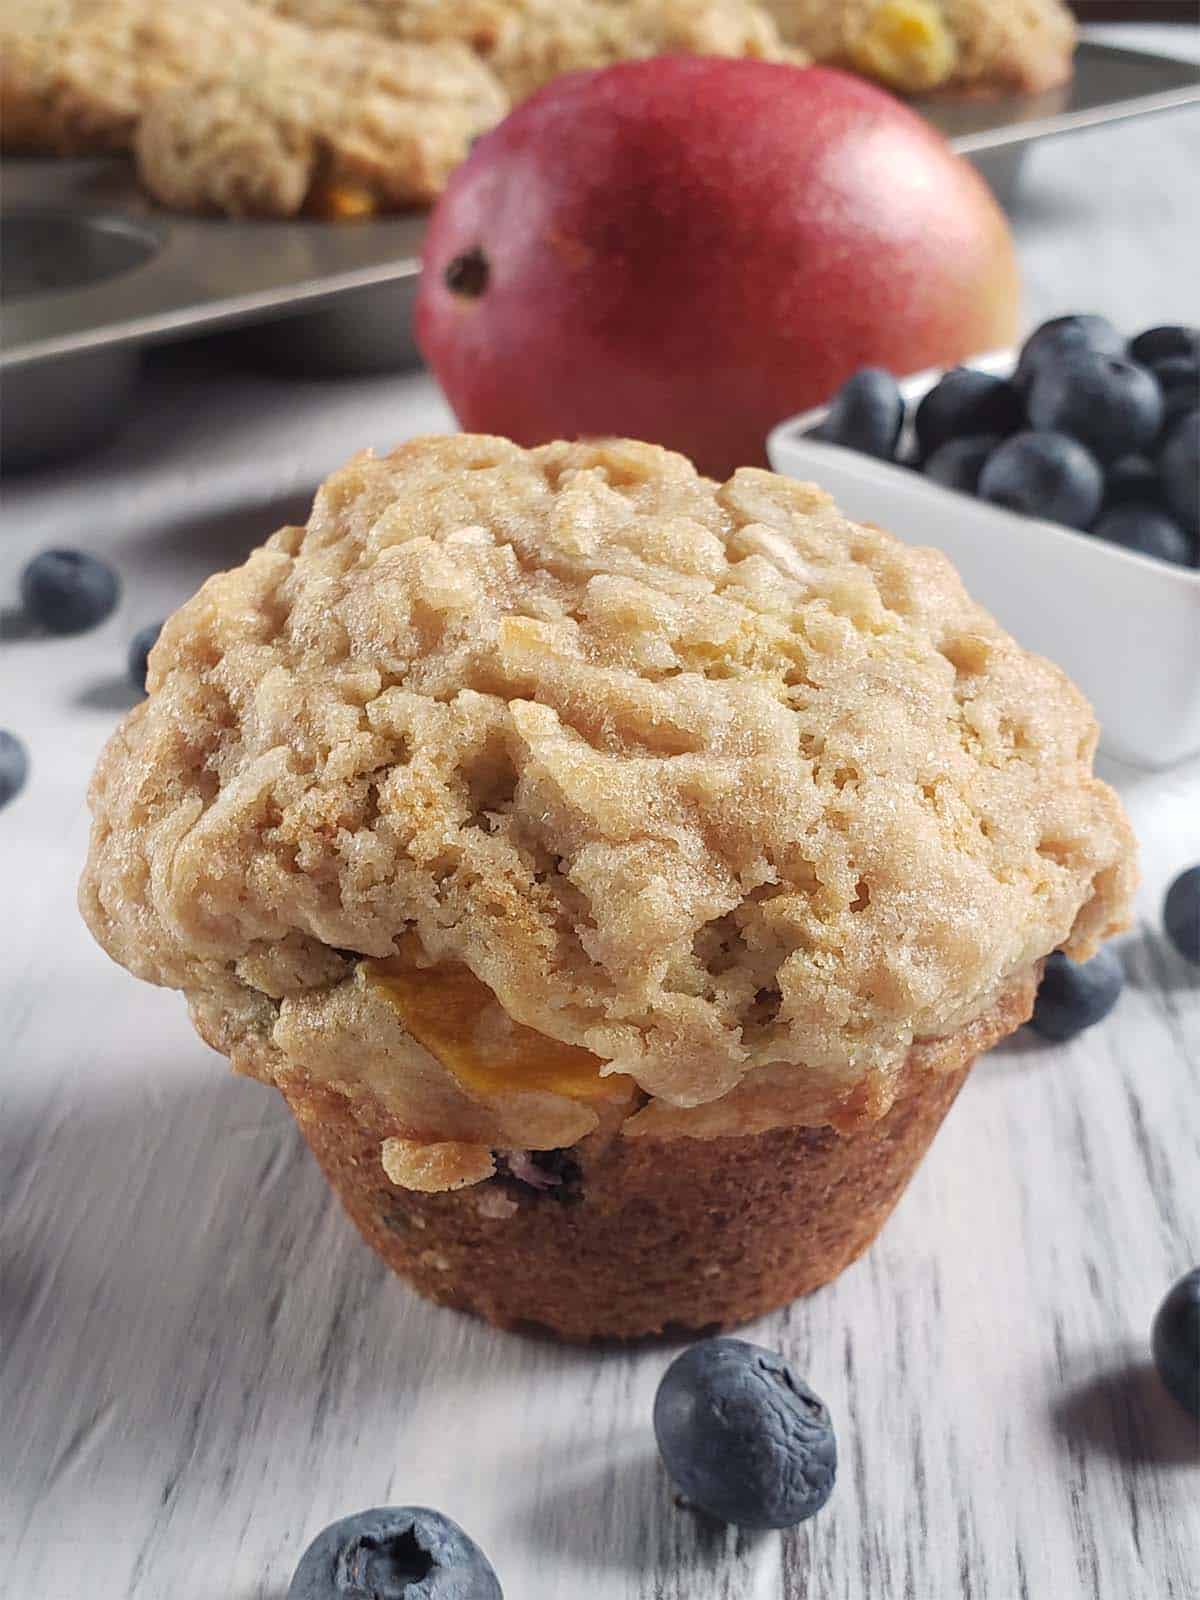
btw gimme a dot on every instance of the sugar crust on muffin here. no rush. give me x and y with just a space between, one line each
571 753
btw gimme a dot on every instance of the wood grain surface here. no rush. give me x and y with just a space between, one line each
200 1363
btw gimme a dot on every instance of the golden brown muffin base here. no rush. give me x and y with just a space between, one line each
652 1234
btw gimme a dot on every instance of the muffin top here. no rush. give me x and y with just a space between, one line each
631 786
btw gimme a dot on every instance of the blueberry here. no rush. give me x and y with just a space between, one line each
394 1553
14 766
1179 471
1159 344
1065 336
1112 406
1179 379
866 414
1147 529
1073 996
966 402
744 1439
1181 914
68 591
1175 1341
1131 478
958 462
140 647
550 1174
1044 475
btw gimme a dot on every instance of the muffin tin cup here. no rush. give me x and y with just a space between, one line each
1124 626
71 402
52 410
311 298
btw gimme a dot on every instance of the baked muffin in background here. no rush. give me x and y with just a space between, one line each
334 125
344 109
76 76
529 42
911 46
339 109
371 117
556 36
616 871
921 46
231 110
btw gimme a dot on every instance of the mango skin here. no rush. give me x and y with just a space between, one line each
687 250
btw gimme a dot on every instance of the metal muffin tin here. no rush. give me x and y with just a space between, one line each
92 271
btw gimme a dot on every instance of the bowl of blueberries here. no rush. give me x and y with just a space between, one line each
1062 479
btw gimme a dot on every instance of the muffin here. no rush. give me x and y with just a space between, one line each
336 125
529 42
983 47
551 37
232 110
617 872
76 76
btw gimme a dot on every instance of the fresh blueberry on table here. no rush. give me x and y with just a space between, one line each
1179 470
1175 1341
967 402
1179 379
1062 337
1073 995
68 591
1181 914
866 414
394 1553
1147 529
1044 475
958 463
742 1437
1160 344
14 766
1112 406
140 647
1131 478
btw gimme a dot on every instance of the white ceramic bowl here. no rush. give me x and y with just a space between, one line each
1126 627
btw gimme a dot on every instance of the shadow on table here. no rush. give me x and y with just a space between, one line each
178 1228
1153 965
1041 205
108 694
615 1509
189 548
187 1319
1016 1056
1126 1413
15 626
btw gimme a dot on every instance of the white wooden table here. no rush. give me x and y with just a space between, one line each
202 1365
